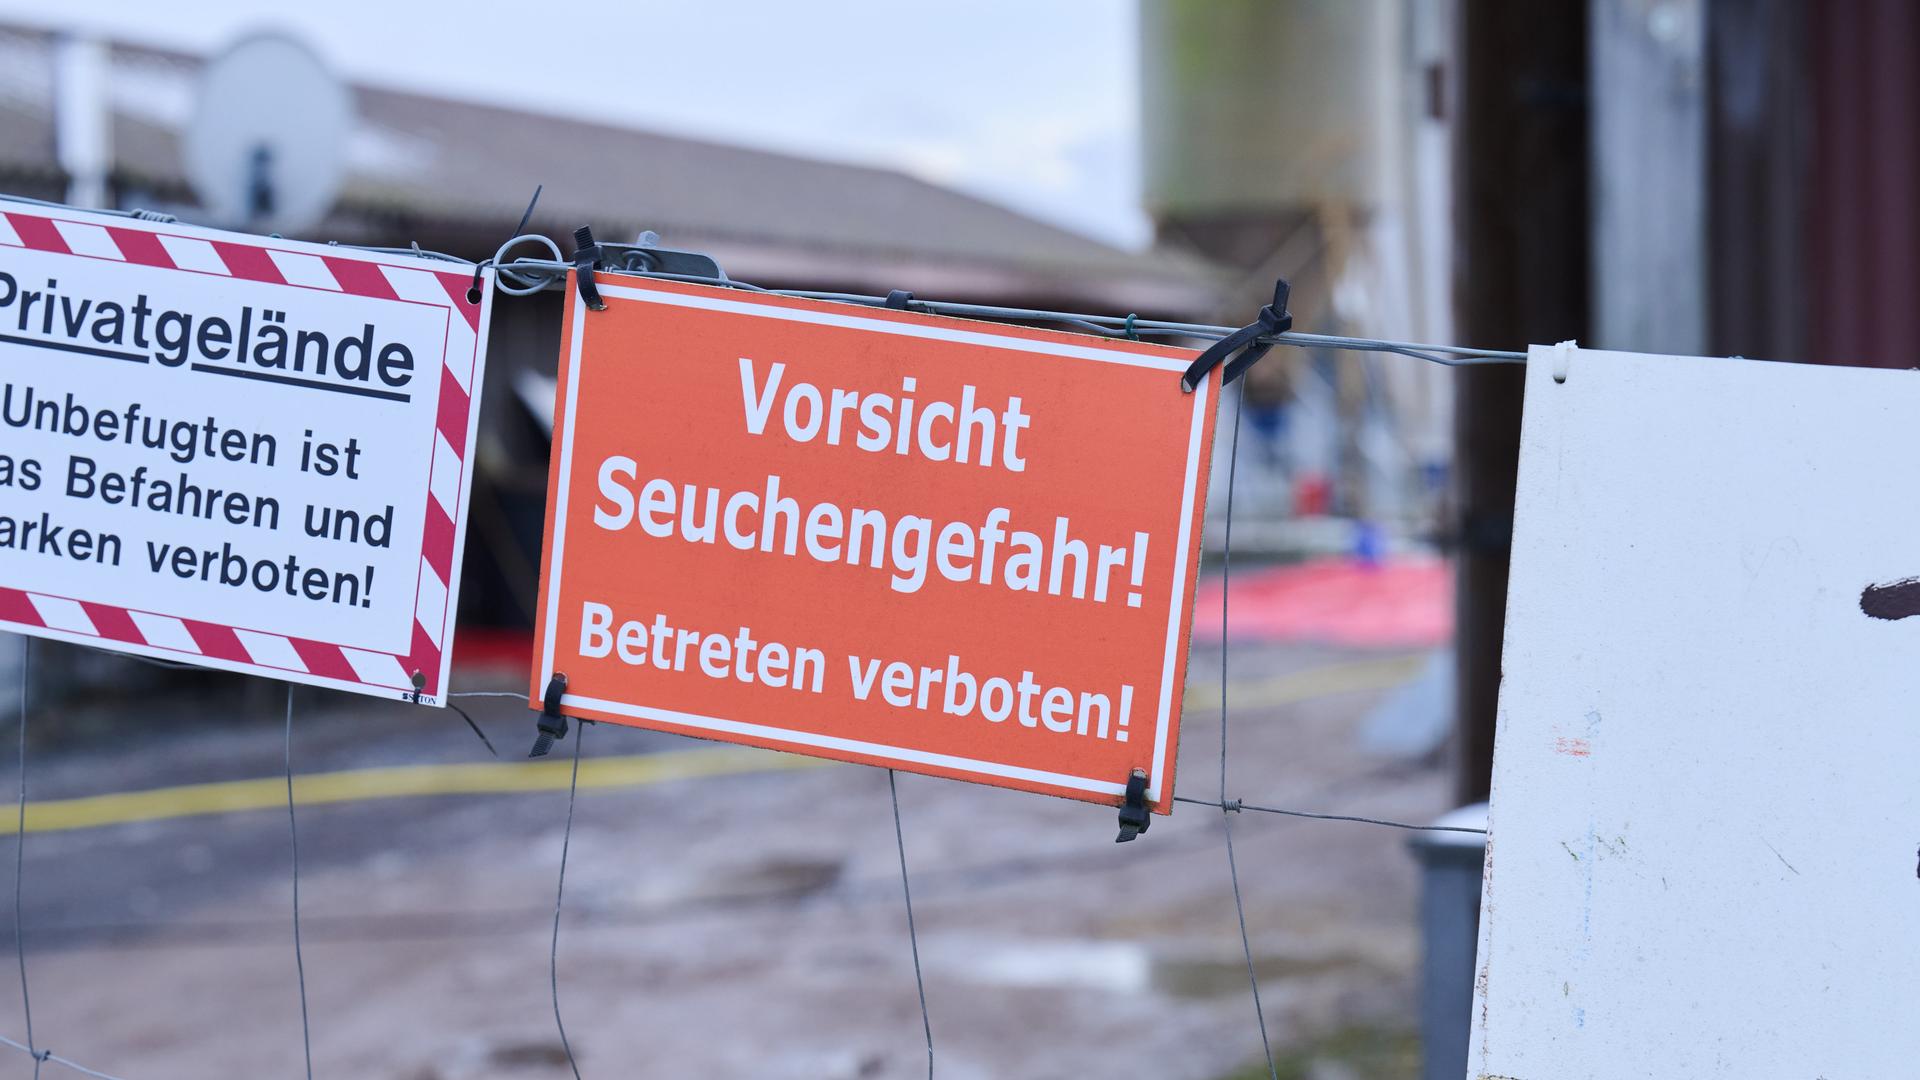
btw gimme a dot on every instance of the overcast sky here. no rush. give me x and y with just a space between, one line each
1029 103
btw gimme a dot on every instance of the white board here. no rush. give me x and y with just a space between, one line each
244 453
1706 797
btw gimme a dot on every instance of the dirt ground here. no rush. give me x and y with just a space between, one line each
740 926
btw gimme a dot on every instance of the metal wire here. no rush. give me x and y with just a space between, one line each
293 837
1235 806
40 1055
913 936
553 274
523 276
139 215
20 857
49 1056
559 895
511 281
484 741
1226 822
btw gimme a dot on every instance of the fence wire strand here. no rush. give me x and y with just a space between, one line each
522 276
913 936
293 841
20 859
1113 326
559 896
50 1056
481 735
1235 806
1226 819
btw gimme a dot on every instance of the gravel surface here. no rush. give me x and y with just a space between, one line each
737 926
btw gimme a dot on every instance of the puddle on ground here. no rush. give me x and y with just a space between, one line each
1121 967
1114 966
527 1055
785 879
796 878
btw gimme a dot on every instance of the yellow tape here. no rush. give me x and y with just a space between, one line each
1297 686
397 781
628 770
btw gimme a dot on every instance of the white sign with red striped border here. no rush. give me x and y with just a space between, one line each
236 452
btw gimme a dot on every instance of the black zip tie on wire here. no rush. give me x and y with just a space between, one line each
1134 815
586 257
552 724
900 300
1274 319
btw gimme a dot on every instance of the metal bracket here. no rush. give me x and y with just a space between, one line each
1134 815
552 725
646 256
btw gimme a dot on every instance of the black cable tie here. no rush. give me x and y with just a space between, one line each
1273 319
1134 815
552 725
899 299
586 257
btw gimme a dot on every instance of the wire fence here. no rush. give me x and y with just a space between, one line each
522 276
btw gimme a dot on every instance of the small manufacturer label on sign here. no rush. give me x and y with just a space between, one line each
943 546
242 453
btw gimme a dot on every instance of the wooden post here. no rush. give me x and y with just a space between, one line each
1521 277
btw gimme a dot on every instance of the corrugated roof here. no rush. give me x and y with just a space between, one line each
441 168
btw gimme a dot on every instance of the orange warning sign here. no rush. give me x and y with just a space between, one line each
930 544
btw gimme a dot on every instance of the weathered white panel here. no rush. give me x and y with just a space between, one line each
1706 799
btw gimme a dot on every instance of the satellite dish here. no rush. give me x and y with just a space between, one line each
266 147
